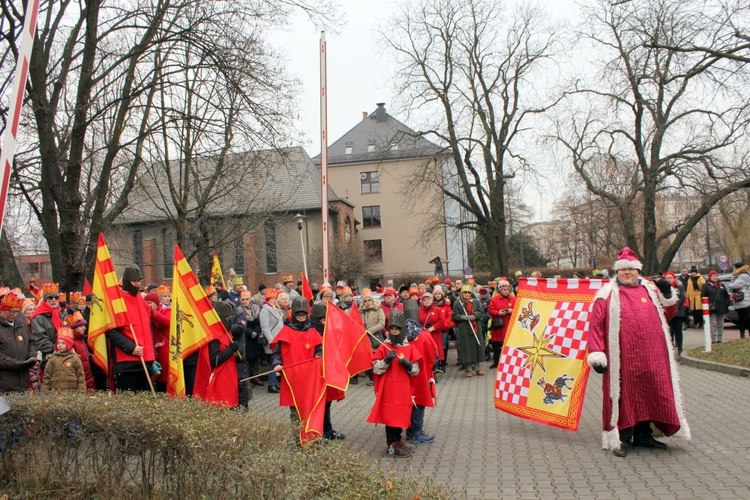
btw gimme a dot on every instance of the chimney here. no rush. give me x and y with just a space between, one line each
380 112
364 115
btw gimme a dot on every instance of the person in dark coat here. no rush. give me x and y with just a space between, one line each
718 305
676 323
466 314
16 351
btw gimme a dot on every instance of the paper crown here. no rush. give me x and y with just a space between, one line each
287 278
272 293
13 300
75 297
163 289
209 291
4 290
50 288
63 297
74 320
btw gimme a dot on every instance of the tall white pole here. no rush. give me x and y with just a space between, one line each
304 257
10 137
324 155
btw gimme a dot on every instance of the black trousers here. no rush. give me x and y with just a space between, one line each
639 432
392 434
497 348
132 381
743 321
675 330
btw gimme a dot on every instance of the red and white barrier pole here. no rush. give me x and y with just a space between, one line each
706 325
10 136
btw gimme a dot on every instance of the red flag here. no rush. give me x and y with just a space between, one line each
306 290
86 286
346 348
308 388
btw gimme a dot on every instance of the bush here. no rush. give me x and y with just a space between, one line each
137 446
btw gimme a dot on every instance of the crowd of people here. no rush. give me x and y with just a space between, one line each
43 340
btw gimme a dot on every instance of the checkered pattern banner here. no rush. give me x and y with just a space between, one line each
542 372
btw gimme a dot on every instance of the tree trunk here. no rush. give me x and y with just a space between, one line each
9 274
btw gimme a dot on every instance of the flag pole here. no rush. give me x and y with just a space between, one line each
143 362
10 137
470 324
324 154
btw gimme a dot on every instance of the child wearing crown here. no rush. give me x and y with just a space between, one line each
64 370
77 326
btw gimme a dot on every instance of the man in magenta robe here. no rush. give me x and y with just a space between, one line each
629 343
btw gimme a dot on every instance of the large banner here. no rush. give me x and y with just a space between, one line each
543 372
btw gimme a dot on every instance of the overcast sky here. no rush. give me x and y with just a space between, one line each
358 72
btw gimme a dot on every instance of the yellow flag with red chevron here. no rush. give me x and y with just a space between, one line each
108 310
194 322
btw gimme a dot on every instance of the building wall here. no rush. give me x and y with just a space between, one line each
402 217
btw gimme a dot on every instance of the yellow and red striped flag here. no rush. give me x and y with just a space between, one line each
543 372
193 322
216 274
107 307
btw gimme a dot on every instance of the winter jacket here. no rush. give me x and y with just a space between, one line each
374 320
43 329
497 304
718 297
15 349
271 323
64 372
693 292
741 281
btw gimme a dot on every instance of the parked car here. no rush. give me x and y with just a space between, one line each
731 315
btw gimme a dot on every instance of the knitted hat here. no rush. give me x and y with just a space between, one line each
483 290
437 289
502 283
66 335
151 286
389 291
152 297
713 272
670 273
447 281
426 294
627 259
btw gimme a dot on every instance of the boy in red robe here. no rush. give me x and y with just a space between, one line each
393 392
423 384
296 342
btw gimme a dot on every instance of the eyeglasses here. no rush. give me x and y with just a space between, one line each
53 297
367 300
466 293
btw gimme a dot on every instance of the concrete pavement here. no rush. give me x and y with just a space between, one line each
486 454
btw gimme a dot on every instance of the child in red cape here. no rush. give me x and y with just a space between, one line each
423 384
393 390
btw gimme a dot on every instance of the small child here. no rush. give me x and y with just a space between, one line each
423 385
77 324
64 371
393 392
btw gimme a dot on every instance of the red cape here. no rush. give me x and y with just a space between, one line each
393 398
220 387
296 346
420 383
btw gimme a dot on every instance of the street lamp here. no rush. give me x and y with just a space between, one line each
300 220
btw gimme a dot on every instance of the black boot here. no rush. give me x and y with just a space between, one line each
623 451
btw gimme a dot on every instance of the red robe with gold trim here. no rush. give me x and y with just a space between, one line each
393 390
296 346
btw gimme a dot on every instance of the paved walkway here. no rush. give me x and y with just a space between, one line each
484 453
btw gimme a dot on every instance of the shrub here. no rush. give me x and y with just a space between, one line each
137 446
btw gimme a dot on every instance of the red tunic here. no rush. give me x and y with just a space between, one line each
646 390
420 383
79 346
434 316
296 346
160 325
497 304
393 397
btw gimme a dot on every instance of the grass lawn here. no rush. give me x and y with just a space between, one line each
736 352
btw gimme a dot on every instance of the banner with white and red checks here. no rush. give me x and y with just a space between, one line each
542 372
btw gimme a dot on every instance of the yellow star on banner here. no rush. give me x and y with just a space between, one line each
537 352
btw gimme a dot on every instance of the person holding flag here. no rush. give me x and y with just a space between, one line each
47 320
133 344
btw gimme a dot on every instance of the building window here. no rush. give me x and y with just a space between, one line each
371 146
138 248
166 237
239 255
32 268
349 147
370 182
371 216
46 270
373 249
270 232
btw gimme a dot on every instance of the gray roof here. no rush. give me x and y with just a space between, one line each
379 137
279 180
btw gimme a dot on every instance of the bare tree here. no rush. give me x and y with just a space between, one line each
664 121
469 64
92 88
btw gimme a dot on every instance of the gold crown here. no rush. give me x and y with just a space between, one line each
4 290
50 288
13 299
163 289
75 297
65 331
72 319
209 291
63 297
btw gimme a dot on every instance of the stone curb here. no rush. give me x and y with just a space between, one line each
717 367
